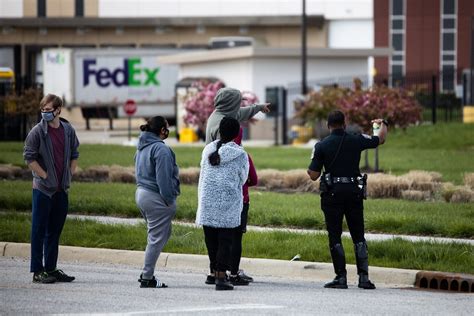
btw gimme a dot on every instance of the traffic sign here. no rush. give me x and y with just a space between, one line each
130 107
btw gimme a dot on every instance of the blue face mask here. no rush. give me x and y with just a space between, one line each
48 116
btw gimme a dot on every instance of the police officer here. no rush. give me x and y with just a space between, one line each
342 193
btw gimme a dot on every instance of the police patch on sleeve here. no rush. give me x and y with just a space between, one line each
367 136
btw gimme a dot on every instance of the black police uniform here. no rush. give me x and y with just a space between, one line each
344 197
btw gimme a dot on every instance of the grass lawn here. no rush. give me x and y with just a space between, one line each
267 209
273 245
445 148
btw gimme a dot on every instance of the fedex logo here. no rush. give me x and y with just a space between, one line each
131 74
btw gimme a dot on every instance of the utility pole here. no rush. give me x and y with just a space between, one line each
304 88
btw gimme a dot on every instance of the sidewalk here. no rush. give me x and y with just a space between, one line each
120 137
368 236
309 271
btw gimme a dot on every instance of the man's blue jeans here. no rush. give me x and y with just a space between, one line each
48 217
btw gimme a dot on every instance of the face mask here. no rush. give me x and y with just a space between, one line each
166 132
48 116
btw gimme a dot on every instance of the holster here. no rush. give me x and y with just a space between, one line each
362 183
325 182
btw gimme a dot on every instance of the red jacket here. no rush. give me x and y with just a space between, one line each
252 179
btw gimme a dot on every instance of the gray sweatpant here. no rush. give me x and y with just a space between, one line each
158 218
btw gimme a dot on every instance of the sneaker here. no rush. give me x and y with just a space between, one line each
153 283
60 276
242 275
43 277
237 280
210 279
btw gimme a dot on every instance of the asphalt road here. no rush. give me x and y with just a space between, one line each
113 289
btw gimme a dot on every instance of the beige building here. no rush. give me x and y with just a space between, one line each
28 26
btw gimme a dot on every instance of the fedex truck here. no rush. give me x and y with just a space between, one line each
100 81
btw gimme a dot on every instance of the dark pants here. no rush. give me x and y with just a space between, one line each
337 205
219 245
48 217
237 241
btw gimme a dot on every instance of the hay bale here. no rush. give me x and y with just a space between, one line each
8 171
447 191
270 178
122 174
189 175
381 185
93 174
294 179
469 179
420 176
416 195
462 195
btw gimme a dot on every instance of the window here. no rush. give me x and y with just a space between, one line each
397 41
448 44
79 8
397 7
41 8
449 7
448 41
397 24
449 24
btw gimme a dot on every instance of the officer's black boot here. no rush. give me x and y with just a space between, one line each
339 263
362 261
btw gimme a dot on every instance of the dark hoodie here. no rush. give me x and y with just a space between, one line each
227 104
155 167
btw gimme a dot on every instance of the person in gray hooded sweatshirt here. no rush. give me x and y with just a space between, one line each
227 103
157 177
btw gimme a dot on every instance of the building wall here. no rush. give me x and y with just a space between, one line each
11 8
465 17
381 34
60 8
422 36
351 34
269 36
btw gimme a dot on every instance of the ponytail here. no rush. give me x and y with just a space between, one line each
154 125
214 158
145 127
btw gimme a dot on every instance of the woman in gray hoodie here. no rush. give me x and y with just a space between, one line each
157 189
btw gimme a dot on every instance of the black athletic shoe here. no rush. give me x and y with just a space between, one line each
245 277
153 283
60 276
43 277
210 279
237 280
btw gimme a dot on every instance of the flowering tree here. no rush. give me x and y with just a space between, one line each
397 105
200 104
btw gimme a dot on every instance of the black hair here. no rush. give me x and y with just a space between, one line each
228 130
154 125
336 119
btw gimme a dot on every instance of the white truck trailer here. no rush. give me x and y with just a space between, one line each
100 81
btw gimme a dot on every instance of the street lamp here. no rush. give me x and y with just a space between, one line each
304 88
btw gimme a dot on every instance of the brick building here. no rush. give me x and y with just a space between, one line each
429 37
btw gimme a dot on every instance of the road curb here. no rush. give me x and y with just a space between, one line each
312 271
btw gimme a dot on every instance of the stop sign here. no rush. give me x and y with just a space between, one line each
130 107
